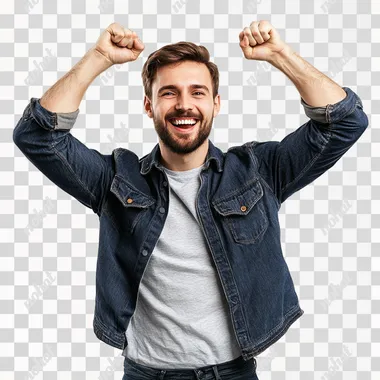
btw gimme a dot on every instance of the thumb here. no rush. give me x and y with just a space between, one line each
244 43
138 45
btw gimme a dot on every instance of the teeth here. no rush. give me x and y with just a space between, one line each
187 122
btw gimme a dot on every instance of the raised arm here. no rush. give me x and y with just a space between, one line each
337 119
43 132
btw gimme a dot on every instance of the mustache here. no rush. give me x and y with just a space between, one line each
183 115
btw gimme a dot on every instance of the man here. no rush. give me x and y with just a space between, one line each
218 291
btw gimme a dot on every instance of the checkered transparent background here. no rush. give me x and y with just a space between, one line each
330 229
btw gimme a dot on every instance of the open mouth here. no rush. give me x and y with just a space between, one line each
184 127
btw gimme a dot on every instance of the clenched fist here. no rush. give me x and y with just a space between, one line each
119 45
261 41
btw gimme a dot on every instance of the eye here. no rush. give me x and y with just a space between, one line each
169 92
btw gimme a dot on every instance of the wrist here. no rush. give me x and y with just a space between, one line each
100 60
284 55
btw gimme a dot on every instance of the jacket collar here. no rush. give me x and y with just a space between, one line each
153 158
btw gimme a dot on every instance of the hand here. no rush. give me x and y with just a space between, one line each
119 45
261 41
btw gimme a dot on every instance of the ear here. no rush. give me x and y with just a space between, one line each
216 105
148 106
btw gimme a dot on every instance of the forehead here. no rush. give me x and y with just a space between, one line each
182 75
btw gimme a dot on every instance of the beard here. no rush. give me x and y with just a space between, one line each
182 143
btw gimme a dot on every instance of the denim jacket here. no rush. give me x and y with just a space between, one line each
238 201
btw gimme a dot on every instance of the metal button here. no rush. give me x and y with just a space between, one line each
129 200
243 208
144 252
162 210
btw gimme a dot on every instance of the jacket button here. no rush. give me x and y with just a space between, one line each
162 210
144 252
129 200
165 183
243 208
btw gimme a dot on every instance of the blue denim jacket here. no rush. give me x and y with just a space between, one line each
238 202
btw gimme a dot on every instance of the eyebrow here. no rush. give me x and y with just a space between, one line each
173 87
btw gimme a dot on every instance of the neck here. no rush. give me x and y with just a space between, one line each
182 162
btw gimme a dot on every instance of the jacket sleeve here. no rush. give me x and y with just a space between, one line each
305 154
44 138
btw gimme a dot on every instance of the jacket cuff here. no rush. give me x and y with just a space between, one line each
52 120
333 113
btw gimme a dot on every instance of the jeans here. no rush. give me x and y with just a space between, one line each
236 369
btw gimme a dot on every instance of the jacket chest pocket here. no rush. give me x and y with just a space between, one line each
243 213
134 204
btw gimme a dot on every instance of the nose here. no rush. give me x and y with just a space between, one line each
184 103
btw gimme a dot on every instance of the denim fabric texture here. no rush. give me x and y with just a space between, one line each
238 201
237 369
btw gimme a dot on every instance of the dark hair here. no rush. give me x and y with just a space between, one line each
174 53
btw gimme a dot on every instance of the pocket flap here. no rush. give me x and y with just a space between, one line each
128 195
240 203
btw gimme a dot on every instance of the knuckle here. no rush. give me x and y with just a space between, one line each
117 27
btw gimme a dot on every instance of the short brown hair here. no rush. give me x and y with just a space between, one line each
173 53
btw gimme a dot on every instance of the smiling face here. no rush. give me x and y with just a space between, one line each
183 90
